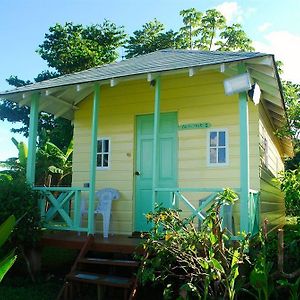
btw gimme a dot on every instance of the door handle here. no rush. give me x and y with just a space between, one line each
137 173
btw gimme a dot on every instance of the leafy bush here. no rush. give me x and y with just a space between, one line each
265 279
191 263
290 185
17 198
7 261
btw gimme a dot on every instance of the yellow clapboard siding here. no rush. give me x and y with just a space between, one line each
195 99
272 199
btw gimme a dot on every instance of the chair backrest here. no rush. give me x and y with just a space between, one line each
105 197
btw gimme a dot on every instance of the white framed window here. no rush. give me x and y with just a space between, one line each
217 147
103 153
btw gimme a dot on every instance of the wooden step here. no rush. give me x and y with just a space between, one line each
110 262
100 279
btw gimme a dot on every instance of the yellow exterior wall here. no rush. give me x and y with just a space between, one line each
196 99
271 162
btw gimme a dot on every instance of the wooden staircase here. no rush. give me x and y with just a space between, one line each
105 273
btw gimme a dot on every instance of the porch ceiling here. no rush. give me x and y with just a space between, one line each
60 96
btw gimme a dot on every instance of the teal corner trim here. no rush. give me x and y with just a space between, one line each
156 138
244 157
33 125
93 159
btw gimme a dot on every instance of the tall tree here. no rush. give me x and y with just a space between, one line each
201 30
234 38
150 38
209 31
191 19
72 47
212 21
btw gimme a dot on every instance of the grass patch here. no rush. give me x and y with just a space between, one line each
20 288
56 262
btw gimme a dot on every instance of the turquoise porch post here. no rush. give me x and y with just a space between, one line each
93 159
155 138
244 157
33 124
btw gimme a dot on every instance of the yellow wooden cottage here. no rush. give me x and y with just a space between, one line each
172 127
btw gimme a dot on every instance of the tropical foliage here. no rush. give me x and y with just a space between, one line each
150 38
190 262
17 198
54 166
290 184
16 166
5 230
69 48
201 30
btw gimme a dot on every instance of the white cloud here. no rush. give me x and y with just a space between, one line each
263 27
231 11
286 47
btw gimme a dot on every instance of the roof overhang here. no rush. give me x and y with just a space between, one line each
61 97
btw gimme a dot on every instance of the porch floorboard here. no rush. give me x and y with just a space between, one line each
71 240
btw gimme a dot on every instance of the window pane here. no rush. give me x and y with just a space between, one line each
99 160
222 155
213 155
105 160
105 146
222 138
213 138
99 146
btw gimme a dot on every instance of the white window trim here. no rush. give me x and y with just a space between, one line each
209 164
266 151
109 153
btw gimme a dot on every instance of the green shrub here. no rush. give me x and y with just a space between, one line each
290 185
190 263
8 260
17 198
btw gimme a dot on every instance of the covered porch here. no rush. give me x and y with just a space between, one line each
64 203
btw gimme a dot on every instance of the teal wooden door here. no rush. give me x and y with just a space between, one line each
167 164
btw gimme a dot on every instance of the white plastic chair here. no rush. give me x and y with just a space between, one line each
105 197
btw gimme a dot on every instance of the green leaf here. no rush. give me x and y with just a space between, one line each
6 228
55 170
204 264
217 265
6 263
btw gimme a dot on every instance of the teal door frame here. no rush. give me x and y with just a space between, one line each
166 164
155 150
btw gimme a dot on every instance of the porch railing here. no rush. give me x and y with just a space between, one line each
226 212
60 207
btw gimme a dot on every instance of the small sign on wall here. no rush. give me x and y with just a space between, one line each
191 126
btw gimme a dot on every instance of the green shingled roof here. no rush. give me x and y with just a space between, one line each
159 61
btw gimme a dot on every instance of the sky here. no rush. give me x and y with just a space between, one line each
272 25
